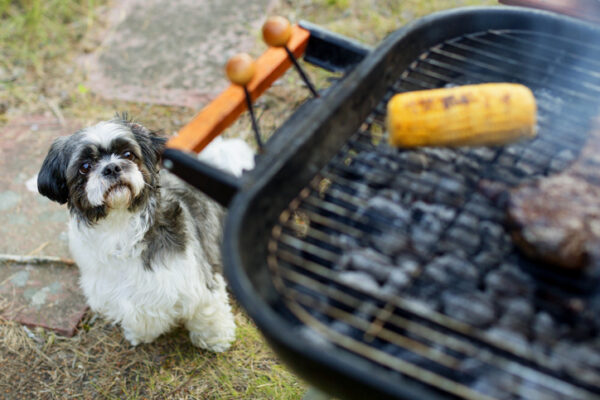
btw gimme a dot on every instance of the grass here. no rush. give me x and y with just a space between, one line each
39 45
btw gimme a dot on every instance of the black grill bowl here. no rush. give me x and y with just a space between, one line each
310 139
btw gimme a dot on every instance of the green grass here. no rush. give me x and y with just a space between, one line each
35 32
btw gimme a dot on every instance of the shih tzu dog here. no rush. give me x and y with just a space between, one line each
146 244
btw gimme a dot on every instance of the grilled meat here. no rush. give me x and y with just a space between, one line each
557 219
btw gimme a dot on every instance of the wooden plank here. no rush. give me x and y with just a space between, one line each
227 107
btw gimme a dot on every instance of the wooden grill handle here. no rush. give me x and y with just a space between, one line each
227 107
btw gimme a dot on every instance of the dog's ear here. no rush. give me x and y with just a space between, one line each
151 144
52 179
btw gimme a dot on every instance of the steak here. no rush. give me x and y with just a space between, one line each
557 219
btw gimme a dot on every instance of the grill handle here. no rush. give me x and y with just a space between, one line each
218 185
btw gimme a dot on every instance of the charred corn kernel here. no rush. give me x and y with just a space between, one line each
471 115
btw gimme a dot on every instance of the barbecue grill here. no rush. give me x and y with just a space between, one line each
376 272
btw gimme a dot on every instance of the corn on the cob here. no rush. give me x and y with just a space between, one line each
471 115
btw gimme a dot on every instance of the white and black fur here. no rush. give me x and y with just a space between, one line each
146 244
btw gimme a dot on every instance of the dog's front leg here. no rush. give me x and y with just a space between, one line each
140 328
212 327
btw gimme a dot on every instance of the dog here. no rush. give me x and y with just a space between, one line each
147 245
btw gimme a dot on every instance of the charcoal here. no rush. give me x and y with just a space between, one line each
388 208
517 316
408 264
415 160
440 212
448 268
489 384
484 153
578 360
313 337
360 281
508 281
467 220
486 260
367 260
472 308
397 280
471 366
390 243
562 160
466 239
509 338
343 328
344 242
544 328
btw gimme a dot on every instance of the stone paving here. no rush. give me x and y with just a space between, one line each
43 294
172 52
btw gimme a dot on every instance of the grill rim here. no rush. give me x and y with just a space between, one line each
288 165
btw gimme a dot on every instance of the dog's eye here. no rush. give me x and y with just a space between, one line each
128 155
85 168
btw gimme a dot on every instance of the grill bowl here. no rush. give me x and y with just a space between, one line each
319 131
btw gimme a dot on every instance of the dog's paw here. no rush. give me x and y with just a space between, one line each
131 337
212 343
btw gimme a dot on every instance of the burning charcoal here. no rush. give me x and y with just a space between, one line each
578 359
397 281
448 268
360 281
517 316
544 328
484 153
343 328
562 160
486 260
416 160
455 185
344 242
496 385
471 366
388 209
314 337
467 239
409 265
508 281
441 154
467 220
367 260
508 337
472 308
390 243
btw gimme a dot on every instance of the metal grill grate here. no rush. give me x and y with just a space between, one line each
399 256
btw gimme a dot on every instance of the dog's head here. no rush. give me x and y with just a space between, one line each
111 165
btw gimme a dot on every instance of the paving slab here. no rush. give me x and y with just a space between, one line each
31 225
172 51
45 295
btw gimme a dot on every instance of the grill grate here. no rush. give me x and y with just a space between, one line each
399 257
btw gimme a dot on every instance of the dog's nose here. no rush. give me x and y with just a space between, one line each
111 169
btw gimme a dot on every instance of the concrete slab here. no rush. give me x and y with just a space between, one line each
29 223
34 294
45 295
172 51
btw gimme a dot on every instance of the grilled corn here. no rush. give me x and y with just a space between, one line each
471 115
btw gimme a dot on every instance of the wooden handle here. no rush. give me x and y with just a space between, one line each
224 110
